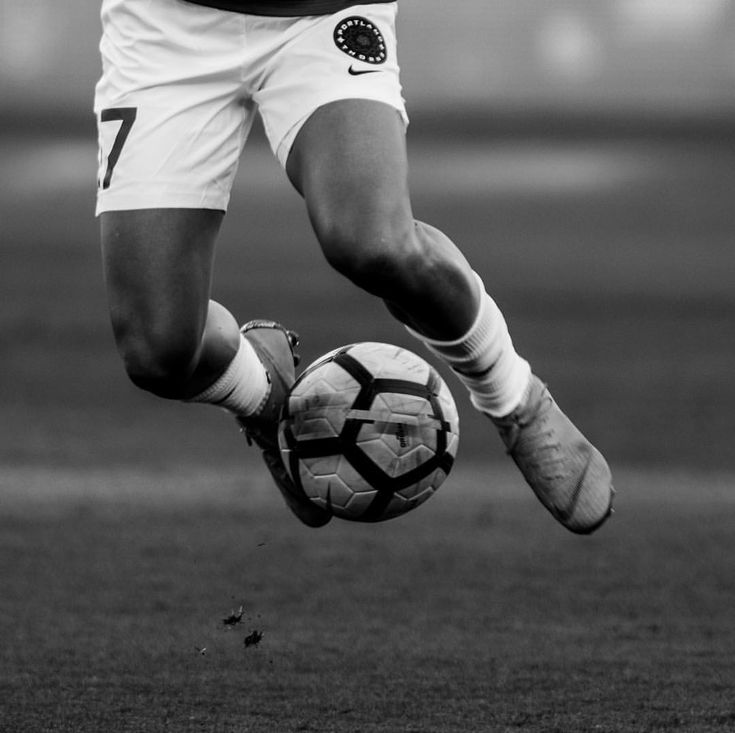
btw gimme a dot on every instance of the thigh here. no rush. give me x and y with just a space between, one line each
158 269
349 159
349 162
350 152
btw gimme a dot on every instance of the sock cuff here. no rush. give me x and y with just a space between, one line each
243 387
484 359
479 320
224 385
481 345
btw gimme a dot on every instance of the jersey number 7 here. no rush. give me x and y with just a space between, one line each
126 116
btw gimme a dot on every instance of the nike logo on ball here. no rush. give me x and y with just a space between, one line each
359 72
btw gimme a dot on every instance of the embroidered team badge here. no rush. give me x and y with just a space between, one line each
361 40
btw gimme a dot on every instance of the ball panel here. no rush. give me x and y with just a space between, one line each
315 474
317 404
400 504
395 463
332 479
359 503
385 361
452 444
422 489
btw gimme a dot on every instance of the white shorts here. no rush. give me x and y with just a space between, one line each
181 84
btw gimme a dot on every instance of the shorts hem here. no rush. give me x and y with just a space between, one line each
132 203
282 147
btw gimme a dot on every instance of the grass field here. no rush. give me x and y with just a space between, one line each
131 528
474 614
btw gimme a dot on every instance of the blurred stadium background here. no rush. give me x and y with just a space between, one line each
581 151
641 56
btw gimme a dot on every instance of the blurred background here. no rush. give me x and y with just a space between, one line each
579 151
635 56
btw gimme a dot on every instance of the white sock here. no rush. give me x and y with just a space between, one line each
485 361
244 385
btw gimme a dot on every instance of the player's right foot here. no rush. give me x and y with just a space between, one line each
274 346
566 472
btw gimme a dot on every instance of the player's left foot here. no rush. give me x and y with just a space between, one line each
274 346
566 472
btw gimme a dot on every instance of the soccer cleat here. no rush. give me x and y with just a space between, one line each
274 346
566 472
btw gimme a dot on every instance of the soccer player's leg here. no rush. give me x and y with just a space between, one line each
349 162
179 344
172 122
157 266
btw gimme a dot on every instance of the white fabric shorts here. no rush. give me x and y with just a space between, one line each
181 84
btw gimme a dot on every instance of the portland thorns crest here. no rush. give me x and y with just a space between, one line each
360 39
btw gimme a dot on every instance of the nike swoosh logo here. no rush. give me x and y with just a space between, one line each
359 72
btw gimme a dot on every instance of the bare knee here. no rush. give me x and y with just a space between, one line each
375 252
157 359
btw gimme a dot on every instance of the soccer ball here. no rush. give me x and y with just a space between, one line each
369 431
